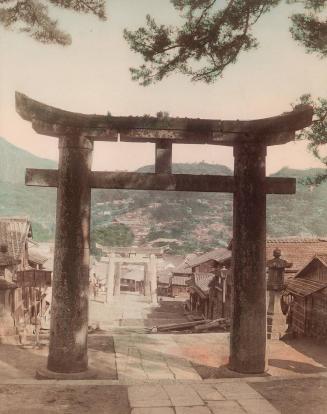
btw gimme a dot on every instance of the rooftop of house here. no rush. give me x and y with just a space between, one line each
36 257
183 268
14 232
134 274
200 282
179 280
218 254
296 250
304 287
320 258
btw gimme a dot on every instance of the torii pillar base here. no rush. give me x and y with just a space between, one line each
46 374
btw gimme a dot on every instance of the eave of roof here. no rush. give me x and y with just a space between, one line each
318 257
36 257
304 287
218 255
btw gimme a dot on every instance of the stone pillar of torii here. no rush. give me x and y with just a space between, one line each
74 180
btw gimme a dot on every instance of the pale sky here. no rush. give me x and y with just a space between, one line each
91 76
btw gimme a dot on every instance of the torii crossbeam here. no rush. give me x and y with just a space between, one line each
74 180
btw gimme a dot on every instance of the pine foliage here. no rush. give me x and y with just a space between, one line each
32 17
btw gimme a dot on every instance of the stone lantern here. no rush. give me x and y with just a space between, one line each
276 270
276 321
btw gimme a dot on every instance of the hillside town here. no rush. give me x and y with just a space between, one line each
202 282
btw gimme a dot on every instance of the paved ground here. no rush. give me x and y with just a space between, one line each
134 311
61 398
308 395
140 373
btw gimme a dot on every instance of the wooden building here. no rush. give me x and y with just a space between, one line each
178 286
180 274
133 280
296 250
199 286
206 268
20 296
183 269
163 283
209 262
306 297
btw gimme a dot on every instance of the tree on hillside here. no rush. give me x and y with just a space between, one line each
116 234
212 37
32 17
316 134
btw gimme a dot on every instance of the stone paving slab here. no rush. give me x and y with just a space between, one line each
151 357
154 410
237 390
148 396
207 392
227 407
193 410
200 398
256 406
183 395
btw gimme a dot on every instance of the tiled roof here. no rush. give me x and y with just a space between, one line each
184 266
179 280
202 280
297 250
134 274
322 258
218 254
13 233
304 287
36 257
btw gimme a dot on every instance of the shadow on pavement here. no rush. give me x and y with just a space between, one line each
63 399
296 366
295 396
17 362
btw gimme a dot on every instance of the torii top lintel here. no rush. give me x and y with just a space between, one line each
51 121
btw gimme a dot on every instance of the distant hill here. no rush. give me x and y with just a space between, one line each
199 221
15 160
193 168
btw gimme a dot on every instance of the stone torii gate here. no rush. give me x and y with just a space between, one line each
74 180
129 255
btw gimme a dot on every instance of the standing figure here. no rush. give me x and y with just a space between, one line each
94 286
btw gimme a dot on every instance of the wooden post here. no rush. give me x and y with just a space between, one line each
163 157
248 331
153 278
110 278
117 279
69 308
147 281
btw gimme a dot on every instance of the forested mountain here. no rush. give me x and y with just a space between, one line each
183 221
